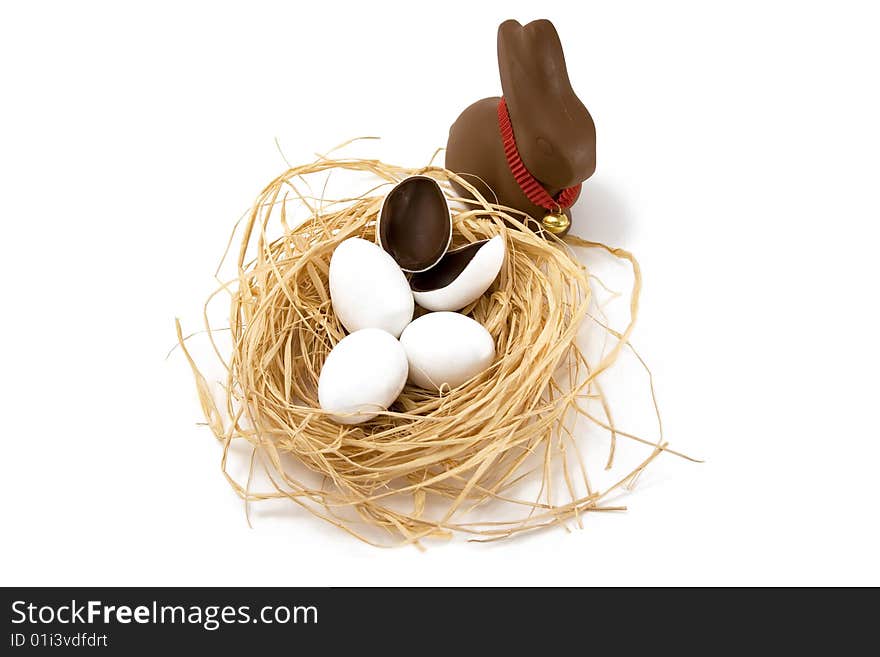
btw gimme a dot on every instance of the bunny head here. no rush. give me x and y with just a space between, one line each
555 134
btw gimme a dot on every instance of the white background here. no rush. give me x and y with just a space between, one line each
738 159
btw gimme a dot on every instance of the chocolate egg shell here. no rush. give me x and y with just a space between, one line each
414 225
461 277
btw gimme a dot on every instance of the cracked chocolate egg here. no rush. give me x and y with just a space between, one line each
461 276
414 225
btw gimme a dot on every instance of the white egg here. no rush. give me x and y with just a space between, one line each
362 376
460 277
368 289
446 349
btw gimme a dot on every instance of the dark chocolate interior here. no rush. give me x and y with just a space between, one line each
415 226
447 270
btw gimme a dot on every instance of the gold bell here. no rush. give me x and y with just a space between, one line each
556 223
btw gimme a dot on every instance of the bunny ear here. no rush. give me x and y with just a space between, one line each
509 53
530 59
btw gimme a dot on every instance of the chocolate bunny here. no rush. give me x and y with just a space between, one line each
534 146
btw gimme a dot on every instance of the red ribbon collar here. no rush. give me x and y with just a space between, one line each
533 190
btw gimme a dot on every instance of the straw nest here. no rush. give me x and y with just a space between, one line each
434 464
